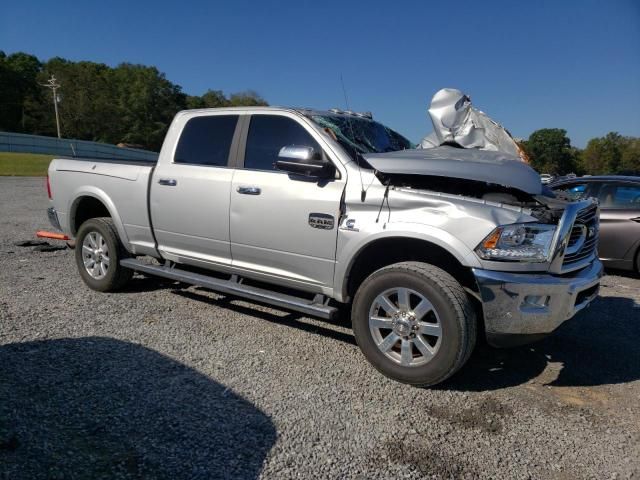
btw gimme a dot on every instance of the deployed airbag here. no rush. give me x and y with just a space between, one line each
456 121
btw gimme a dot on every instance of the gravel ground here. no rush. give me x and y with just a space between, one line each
163 381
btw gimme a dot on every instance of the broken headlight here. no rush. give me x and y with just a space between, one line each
521 242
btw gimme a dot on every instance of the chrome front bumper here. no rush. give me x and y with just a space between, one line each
519 307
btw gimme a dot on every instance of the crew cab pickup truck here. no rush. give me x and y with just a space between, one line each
316 210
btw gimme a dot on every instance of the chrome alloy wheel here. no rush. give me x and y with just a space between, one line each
405 326
95 255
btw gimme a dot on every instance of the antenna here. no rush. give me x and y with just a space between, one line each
363 192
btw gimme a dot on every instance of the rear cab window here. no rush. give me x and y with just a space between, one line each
206 140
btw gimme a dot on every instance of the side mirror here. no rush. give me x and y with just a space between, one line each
306 161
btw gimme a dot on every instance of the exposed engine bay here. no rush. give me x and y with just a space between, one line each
546 209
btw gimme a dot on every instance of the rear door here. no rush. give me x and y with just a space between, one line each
619 220
190 192
273 232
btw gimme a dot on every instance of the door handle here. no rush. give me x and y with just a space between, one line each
637 219
249 190
169 182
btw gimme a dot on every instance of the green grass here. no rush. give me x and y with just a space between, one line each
24 164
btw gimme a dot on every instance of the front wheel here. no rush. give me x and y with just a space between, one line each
414 323
98 254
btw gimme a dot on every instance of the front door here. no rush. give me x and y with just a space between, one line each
283 227
190 193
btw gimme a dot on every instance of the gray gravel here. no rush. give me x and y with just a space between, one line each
164 381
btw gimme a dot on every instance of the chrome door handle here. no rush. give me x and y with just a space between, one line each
169 182
249 190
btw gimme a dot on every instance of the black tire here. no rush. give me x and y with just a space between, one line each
455 311
116 276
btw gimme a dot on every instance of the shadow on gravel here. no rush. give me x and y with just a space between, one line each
600 346
140 284
289 319
101 408
623 273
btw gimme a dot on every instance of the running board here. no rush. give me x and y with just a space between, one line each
317 307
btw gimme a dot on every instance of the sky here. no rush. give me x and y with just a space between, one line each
529 65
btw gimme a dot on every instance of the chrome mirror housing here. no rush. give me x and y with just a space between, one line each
296 152
304 160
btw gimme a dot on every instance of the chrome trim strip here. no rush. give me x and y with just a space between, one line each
562 236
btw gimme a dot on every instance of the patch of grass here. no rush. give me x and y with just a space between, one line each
24 164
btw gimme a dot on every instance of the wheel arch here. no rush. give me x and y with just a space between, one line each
92 203
386 250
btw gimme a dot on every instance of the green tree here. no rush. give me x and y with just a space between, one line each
146 103
87 111
550 151
18 85
217 99
604 154
129 103
246 98
631 155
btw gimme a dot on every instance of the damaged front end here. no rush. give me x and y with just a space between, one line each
537 271
493 177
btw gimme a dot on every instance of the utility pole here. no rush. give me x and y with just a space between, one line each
53 84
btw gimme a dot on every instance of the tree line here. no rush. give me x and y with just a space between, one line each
550 151
132 104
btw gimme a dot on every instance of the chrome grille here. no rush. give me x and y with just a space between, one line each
583 239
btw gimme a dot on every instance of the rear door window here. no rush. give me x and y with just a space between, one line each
267 135
206 140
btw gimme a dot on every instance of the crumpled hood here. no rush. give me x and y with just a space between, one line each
469 164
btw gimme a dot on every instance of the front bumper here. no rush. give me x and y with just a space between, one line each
520 307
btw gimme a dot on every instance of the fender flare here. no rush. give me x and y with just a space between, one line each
425 233
98 194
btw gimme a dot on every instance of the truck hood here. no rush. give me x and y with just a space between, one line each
469 164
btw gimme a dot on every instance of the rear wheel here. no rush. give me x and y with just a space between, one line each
414 323
98 253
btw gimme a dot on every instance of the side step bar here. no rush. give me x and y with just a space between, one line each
317 307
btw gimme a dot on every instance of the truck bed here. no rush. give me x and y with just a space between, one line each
120 185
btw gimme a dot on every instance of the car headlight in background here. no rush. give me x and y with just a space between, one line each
521 242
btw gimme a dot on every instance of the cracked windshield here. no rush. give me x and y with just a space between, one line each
361 135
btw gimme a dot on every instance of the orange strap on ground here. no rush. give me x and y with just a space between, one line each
52 235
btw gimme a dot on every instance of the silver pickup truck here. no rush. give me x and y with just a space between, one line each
316 210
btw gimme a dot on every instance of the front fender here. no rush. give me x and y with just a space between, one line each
352 243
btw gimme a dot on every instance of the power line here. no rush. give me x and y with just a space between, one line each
53 84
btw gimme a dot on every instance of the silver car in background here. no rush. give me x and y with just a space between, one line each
619 198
